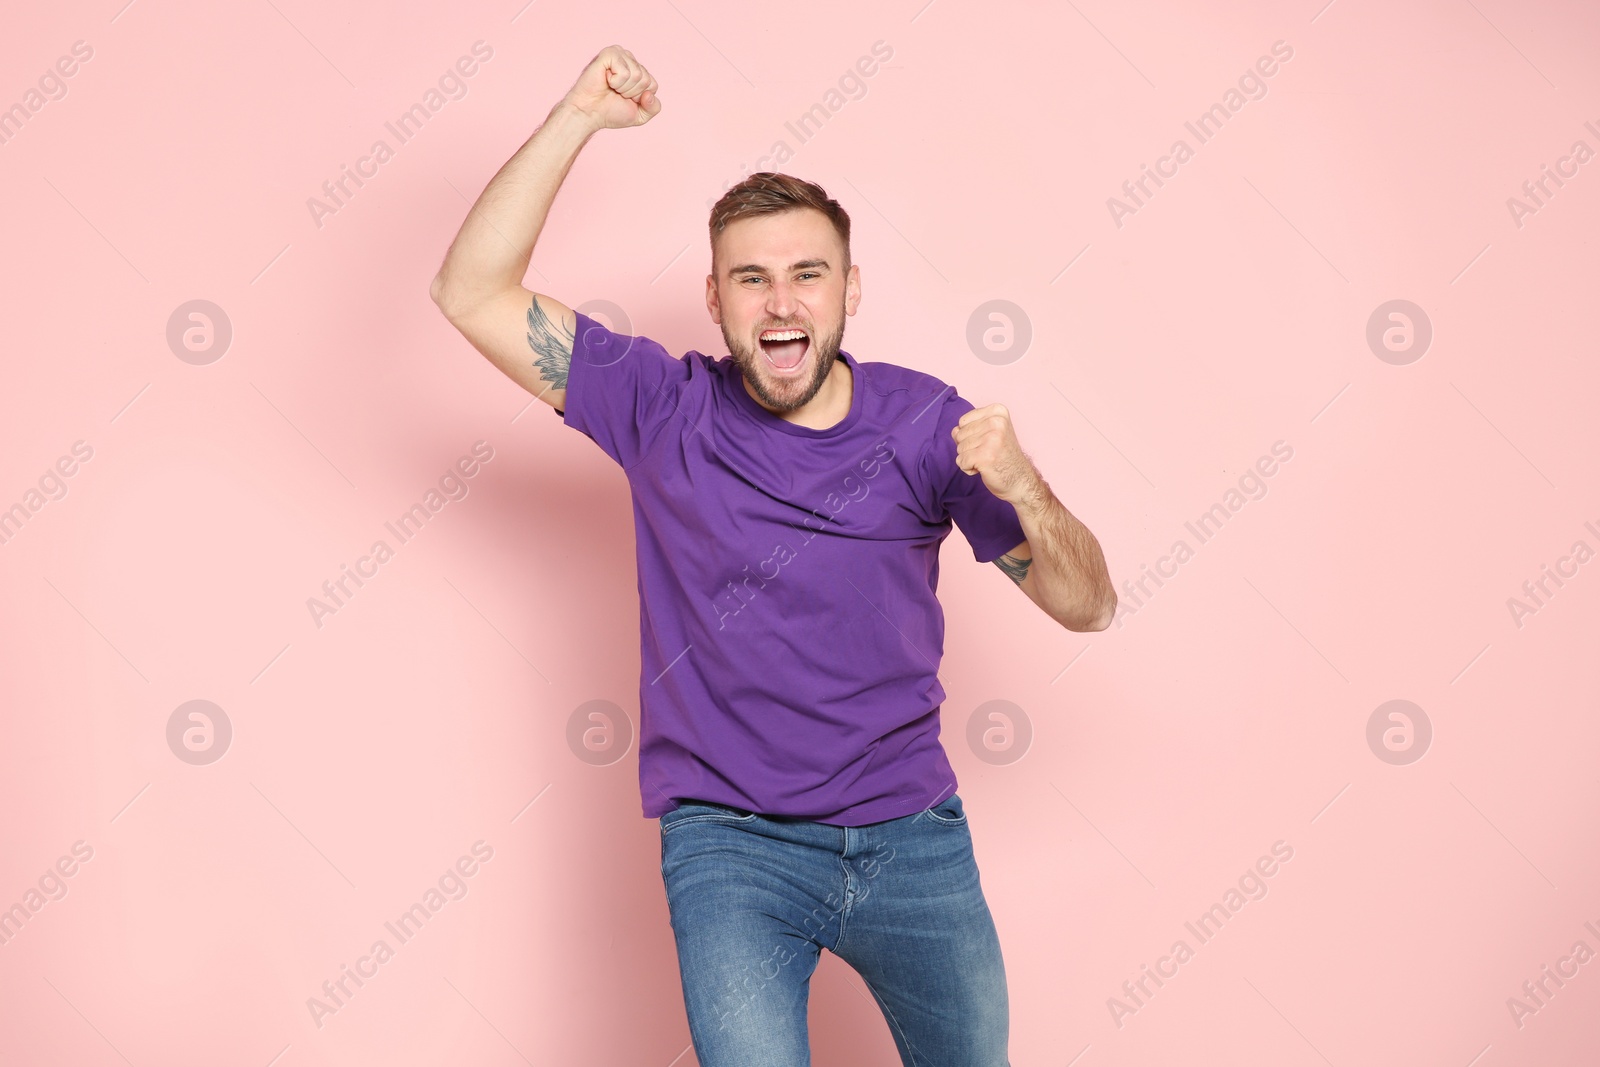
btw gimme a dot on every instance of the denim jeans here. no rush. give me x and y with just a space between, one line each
755 898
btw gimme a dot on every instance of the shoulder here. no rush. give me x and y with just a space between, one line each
602 345
901 387
924 403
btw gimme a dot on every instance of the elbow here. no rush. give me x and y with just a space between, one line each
436 291
1101 620
1108 612
1099 624
446 297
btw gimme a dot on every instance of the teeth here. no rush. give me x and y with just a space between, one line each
783 335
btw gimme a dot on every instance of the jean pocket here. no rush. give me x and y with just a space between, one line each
704 811
947 812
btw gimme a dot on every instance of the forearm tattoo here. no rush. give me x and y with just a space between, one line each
553 343
1016 568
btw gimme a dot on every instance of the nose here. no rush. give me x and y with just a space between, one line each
781 301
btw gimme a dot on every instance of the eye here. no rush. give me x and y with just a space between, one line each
810 274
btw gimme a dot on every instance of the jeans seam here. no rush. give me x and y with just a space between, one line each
731 820
845 901
797 906
900 1031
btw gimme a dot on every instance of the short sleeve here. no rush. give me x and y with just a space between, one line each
620 390
989 524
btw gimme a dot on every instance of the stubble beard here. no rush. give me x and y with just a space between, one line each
792 394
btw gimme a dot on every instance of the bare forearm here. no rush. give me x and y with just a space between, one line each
1067 576
490 253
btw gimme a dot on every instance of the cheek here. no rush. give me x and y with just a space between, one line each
824 315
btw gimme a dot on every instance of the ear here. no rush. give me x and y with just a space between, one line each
713 304
852 289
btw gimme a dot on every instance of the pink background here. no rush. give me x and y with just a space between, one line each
1168 354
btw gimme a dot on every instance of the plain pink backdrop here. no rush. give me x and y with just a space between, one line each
1169 353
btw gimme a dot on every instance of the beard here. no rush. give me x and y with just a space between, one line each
786 394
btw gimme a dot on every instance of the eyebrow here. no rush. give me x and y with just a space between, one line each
756 268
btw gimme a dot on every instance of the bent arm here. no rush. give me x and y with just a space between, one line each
1060 565
479 287
490 254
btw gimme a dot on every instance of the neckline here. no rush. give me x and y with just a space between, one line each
734 377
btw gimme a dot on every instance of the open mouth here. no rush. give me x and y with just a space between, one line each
785 349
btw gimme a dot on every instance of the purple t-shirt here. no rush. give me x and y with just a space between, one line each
790 635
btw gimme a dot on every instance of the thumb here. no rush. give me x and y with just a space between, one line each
649 105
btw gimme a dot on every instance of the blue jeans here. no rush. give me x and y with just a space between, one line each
755 899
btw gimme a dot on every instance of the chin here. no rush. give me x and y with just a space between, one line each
789 394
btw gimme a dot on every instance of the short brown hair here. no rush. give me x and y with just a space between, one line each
769 193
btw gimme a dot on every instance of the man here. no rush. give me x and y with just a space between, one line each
789 507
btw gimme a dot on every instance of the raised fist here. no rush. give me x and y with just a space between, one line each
615 90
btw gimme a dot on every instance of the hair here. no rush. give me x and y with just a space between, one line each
769 193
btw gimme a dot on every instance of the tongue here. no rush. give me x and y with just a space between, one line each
785 354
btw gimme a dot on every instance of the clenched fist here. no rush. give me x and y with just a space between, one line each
615 90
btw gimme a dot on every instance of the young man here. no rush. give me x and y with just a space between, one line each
789 507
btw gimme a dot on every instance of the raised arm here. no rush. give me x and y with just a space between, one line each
479 287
